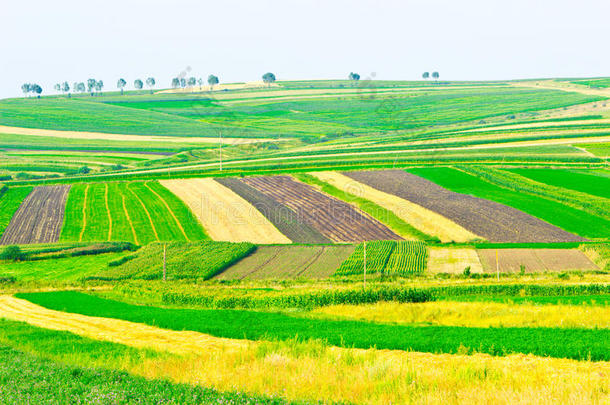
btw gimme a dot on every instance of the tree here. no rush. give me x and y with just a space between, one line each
212 81
120 84
354 76
269 78
200 83
36 89
99 85
175 83
57 87
12 252
26 88
150 82
426 75
435 75
91 85
192 81
80 87
138 84
182 82
65 88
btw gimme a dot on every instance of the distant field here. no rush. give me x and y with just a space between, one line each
139 212
598 149
594 82
586 182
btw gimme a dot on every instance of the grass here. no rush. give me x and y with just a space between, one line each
136 212
556 213
376 211
585 182
563 343
202 260
475 314
10 200
44 366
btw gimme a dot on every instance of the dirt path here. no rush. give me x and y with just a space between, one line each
152 224
82 231
114 330
169 209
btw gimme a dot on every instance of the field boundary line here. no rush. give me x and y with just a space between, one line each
82 230
169 209
145 210
133 231
108 211
312 260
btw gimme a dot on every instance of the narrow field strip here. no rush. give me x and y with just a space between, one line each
421 218
453 261
224 215
150 220
140 220
82 231
534 260
578 344
109 214
146 184
330 374
475 314
9 204
133 230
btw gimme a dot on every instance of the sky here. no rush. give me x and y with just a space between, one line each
47 42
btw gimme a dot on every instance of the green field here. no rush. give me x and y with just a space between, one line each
586 182
10 200
138 212
566 217
401 258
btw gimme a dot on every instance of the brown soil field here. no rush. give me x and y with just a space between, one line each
224 215
535 260
453 261
39 218
419 217
284 219
289 262
491 220
332 217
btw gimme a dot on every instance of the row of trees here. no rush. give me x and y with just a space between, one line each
181 82
426 75
33 88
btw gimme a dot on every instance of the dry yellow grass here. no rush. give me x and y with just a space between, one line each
419 217
454 261
224 215
219 87
124 137
313 371
476 314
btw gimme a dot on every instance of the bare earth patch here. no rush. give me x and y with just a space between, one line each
453 261
535 260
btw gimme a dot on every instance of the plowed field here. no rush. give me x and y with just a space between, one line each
535 260
39 217
333 218
491 220
289 262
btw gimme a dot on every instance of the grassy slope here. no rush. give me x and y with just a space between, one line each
570 343
34 370
565 217
580 181
9 203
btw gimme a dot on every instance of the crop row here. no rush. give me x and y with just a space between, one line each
387 257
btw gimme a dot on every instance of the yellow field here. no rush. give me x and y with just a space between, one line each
419 217
313 371
224 215
453 261
476 314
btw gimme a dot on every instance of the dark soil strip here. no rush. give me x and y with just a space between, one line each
285 220
334 218
491 220
39 218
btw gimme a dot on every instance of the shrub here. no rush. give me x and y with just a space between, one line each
12 253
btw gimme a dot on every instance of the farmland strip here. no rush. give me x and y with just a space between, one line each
39 218
493 221
170 211
135 236
82 231
286 220
108 211
535 260
152 224
333 218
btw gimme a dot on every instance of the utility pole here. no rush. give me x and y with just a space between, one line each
364 264
164 267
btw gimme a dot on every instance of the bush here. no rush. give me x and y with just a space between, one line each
12 253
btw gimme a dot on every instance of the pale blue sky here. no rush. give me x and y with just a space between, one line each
51 41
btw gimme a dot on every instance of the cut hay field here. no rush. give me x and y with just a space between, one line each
138 212
453 261
288 262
